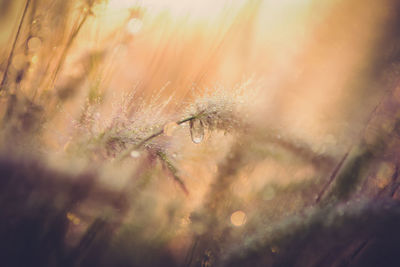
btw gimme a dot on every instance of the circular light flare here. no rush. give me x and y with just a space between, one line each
135 154
238 218
19 61
34 59
34 44
134 26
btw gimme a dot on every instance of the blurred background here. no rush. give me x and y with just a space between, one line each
311 57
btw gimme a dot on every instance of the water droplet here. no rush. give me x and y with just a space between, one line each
135 154
170 128
196 130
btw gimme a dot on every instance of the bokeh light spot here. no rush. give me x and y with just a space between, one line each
134 26
238 218
34 43
135 154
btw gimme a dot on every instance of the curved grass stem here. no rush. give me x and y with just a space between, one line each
152 136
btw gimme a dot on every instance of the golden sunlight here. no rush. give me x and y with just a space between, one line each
199 133
179 8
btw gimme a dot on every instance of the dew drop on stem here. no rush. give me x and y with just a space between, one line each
196 130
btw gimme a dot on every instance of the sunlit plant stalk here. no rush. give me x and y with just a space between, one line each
154 135
163 156
340 164
67 47
173 171
11 55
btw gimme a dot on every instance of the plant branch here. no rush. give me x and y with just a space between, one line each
159 132
154 135
10 57
332 177
173 170
68 46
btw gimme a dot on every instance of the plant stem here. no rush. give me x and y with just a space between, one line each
332 177
159 132
10 57
340 164
173 170
154 135
68 47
